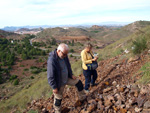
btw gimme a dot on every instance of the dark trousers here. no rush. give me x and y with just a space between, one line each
90 77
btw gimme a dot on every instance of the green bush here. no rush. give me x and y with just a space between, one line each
71 55
44 69
33 67
26 69
16 81
13 77
49 47
72 50
21 65
32 77
9 67
36 71
40 60
1 80
139 45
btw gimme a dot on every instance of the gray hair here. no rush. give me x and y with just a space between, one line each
63 47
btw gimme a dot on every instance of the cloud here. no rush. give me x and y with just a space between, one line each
36 12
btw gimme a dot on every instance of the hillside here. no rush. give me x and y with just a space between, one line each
64 33
121 76
116 91
10 35
123 32
5 34
98 33
33 31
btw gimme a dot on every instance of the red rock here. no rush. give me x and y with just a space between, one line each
49 107
91 107
107 103
107 90
78 103
100 106
115 108
121 89
65 110
123 110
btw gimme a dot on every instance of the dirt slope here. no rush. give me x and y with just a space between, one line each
115 93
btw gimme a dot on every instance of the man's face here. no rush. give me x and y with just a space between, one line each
62 54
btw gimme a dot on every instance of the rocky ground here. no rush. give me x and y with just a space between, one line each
116 92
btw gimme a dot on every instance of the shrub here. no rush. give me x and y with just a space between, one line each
139 45
26 69
71 55
71 50
1 80
16 81
33 67
44 69
32 77
36 71
9 67
13 77
49 47
21 65
40 60
97 47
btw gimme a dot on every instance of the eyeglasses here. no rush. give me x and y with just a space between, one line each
63 53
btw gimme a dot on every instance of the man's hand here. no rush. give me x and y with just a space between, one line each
55 90
74 77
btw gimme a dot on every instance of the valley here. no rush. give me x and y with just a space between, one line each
23 66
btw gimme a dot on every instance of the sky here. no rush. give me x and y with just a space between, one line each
65 12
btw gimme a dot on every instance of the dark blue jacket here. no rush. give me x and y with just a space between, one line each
54 71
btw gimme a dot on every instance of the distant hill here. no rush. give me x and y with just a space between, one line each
5 34
10 35
65 33
124 31
84 25
14 28
27 29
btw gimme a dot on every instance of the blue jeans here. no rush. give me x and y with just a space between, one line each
89 78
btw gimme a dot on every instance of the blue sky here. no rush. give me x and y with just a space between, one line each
60 12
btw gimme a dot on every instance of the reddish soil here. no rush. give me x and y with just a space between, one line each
18 68
121 72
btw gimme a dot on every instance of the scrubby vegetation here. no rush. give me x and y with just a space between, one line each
36 86
145 71
139 45
11 50
29 88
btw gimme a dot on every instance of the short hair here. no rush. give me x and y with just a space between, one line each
63 47
88 45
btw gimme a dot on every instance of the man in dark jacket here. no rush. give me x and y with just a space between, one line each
59 74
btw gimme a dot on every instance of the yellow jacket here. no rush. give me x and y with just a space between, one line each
86 58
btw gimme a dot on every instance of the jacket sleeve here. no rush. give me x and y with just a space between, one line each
51 73
84 58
